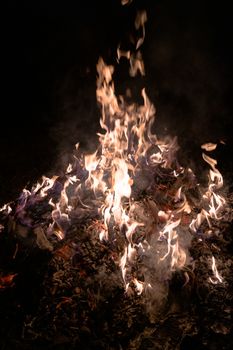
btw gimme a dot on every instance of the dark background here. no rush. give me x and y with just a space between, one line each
50 50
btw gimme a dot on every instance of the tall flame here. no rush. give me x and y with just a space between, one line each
128 161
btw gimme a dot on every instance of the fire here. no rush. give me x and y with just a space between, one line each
217 278
7 281
6 208
214 200
130 160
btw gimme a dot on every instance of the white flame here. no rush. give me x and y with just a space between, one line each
217 278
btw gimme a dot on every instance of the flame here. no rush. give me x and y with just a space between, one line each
215 201
122 265
139 286
108 182
209 146
6 208
217 278
178 256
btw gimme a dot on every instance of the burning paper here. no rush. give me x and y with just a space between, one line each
132 185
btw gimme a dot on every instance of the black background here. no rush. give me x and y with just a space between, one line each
50 50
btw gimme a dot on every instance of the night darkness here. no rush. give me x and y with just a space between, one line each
50 52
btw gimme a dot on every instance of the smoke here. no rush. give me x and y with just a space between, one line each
78 119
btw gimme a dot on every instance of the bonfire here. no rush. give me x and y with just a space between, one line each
128 240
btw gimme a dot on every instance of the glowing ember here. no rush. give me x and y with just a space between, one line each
7 281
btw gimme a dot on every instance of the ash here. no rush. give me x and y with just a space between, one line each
70 293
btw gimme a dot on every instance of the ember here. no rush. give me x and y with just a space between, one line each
6 281
125 231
